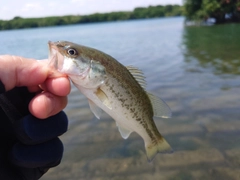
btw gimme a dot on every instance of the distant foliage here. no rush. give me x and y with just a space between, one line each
157 11
221 10
138 13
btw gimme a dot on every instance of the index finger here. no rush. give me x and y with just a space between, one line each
18 71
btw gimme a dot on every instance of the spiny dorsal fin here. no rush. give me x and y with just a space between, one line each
160 108
138 75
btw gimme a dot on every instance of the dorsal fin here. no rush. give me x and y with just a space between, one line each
138 75
160 108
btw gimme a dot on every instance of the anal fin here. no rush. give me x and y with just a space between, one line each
125 132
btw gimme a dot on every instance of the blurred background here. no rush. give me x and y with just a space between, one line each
189 52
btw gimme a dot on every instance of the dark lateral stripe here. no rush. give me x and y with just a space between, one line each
2 88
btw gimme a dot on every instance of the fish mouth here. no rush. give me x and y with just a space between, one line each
58 61
55 57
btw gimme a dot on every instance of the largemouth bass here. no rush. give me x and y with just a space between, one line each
115 89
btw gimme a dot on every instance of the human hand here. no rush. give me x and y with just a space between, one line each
29 145
17 72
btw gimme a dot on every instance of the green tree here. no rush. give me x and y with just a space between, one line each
138 13
222 10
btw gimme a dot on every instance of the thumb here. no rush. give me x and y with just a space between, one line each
18 71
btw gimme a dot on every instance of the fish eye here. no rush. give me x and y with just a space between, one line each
72 52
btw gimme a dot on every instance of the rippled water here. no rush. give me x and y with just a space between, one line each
194 69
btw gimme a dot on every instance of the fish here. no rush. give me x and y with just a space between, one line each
118 90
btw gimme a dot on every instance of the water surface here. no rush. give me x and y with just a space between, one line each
194 69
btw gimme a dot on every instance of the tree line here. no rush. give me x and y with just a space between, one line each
221 10
137 13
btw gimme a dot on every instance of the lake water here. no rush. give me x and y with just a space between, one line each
196 70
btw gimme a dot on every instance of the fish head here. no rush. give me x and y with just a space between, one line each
69 58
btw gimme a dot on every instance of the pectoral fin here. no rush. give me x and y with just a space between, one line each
103 98
160 108
125 132
95 109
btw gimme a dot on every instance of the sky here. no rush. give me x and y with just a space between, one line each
42 8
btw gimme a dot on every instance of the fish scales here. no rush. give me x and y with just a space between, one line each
132 89
114 88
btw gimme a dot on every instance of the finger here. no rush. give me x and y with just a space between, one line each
35 89
18 71
47 104
58 86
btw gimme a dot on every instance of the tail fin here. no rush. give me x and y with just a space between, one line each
161 146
